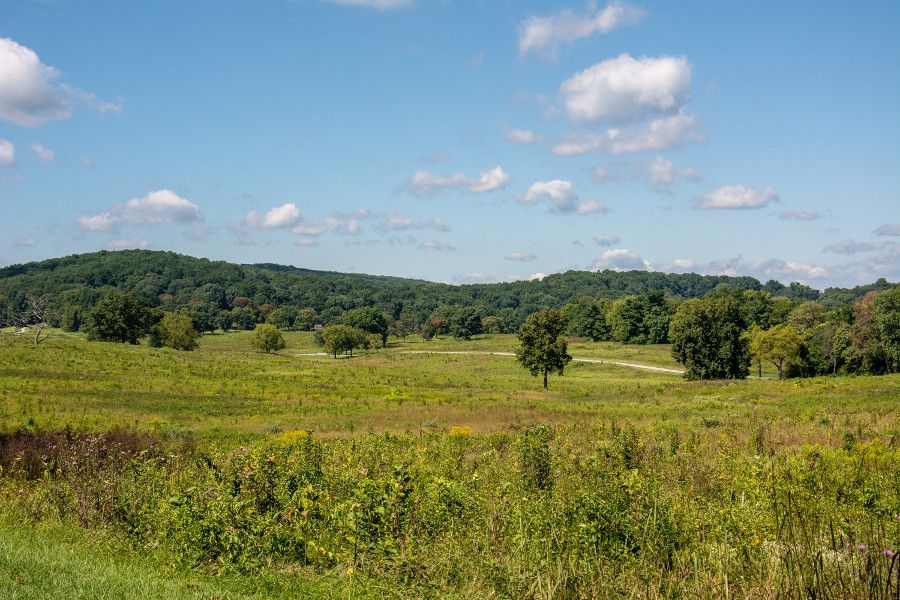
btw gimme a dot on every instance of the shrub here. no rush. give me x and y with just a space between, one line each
175 331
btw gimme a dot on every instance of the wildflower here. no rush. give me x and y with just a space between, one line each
889 553
861 547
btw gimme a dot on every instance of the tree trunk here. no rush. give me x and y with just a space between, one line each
545 379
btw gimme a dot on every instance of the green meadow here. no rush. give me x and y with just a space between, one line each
131 471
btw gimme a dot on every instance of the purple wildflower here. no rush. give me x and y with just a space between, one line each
889 553
861 547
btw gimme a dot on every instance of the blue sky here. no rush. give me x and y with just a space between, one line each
458 141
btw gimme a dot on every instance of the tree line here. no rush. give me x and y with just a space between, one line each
222 295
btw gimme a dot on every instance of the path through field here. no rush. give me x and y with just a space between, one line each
584 360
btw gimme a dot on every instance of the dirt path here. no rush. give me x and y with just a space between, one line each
596 361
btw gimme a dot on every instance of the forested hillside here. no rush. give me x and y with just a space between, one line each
210 289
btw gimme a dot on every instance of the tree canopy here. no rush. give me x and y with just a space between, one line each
708 338
543 347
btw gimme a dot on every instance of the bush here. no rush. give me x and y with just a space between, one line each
175 331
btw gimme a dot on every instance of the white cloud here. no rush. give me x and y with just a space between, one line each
522 136
520 256
606 240
536 276
124 244
399 222
764 269
44 154
306 242
278 217
888 229
473 277
683 263
435 245
664 133
558 191
625 88
347 224
31 93
663 174
851 247
737 197
376 4
549 32
156 208
25 242
561 194
86 162
620 259
425 183
798 215
590 207
492 179
7 153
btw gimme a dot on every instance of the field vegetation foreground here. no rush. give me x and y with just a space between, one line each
131 471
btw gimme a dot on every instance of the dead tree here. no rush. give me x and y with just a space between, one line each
33 316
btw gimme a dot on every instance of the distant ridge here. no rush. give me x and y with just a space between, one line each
162 277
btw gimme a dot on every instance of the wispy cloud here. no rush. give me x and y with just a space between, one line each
426 183
545 34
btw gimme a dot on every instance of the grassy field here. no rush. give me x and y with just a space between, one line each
400 474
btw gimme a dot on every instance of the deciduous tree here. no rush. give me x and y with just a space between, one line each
267 337
543 346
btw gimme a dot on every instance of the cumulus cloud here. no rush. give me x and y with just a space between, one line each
435 245
664 133
798 215
548 33
683 263
562 196
737 197
278 217
156 208
426 183
606 240
399 222
31 92
626 88
376 4
888 229
522 136
124 244
536 276
7 153
520 256
850 247
44 154
620 259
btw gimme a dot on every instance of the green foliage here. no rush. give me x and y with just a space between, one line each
340 339
587 319
368 319
708 338
887 319
534 457
175 331
118 317
543 346
268 338
782 345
